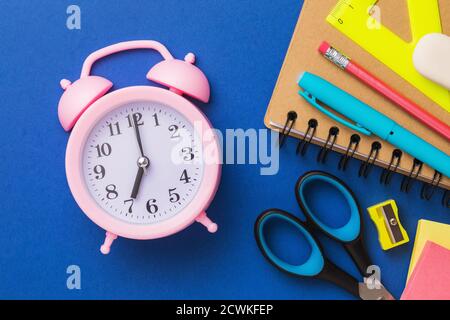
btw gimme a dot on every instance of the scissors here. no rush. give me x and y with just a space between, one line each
317 265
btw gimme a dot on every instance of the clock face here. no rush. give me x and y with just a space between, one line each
143 187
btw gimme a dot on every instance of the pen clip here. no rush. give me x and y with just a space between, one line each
313 101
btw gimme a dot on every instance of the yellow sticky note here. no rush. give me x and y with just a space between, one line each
438 233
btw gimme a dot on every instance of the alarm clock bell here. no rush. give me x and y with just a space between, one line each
180 76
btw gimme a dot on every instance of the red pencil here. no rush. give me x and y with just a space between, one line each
365 76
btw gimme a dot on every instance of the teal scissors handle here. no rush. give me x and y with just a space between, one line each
316 266
350 235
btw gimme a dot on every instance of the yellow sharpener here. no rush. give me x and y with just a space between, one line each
391 233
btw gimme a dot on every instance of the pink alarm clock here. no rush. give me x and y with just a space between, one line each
142 162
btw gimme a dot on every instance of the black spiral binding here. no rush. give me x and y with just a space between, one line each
408 180
309 135
386 175
290 122
350 153
367 165
428 188
329 144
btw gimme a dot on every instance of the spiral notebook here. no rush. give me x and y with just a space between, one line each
291 115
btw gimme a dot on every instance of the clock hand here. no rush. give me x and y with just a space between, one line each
143 162
138 136
137 183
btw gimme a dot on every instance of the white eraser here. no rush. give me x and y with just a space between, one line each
432 58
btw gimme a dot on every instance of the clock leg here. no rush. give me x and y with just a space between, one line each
204 220
109 239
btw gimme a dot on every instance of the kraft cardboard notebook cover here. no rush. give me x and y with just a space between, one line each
312 28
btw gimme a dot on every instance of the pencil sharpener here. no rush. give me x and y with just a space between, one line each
391 233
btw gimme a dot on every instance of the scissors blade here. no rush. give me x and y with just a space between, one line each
378 293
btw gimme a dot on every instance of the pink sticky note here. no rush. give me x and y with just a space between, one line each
430 279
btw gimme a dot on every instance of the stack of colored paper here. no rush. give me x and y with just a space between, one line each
429 276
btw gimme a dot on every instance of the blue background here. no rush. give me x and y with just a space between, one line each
240 45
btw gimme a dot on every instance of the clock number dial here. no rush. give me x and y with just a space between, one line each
155 117
151 206
99 171
111 160
188 154
103 150
185 177
135 118
173 196
111 191
114 129
130 203
174 130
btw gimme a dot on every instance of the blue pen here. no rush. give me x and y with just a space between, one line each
368 121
